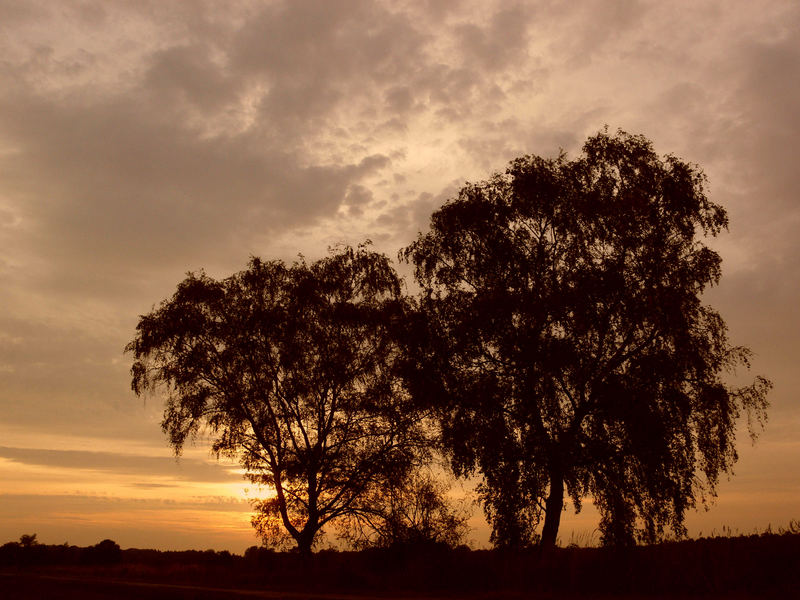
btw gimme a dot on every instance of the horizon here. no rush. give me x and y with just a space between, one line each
140 142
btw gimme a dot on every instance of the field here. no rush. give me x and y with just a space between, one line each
757 566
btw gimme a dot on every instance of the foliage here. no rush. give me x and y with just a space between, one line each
28 551
290 369
413 512
106 552
566 346
758 566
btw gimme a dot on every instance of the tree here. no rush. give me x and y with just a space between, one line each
410 512
567 346
106 552
290 369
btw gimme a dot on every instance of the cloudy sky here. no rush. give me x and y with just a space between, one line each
141 140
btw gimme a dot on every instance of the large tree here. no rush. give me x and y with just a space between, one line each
568 348
291 370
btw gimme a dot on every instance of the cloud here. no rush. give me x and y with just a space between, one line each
110 177
151 486
73 504
501 41
209 142
186 469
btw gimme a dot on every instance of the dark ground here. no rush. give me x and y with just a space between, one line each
758 566
14 586
29 586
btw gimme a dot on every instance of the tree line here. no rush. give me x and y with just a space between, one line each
28 551
765 565
558 350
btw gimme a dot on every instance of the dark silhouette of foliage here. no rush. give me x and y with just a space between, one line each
566 346
106 552
412 512
291 369
28 551
763 565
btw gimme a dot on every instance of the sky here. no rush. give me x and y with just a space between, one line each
143 140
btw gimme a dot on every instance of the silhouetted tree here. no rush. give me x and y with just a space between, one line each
568 348
106 552
411 512
290 368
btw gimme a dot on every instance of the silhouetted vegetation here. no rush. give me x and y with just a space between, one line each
756 565
291 369
29 552
558 346
413 512
565 347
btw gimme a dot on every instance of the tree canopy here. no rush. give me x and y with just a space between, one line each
412 512
567 347
291 370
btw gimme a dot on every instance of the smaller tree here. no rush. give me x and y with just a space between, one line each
106 552
291 370
413 512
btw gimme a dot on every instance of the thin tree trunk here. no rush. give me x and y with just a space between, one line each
553 507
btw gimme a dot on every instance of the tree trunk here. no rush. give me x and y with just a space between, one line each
552 510
304 547
305 539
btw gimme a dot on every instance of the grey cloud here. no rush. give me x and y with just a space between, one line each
503 141
302 40
451 90
319 59
108 173
314 55
771 95
185 469
399 99
12 13
406 220
357 198
189 74
736 111
754 145
118 180
502 41
586 30
394 126
109 178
